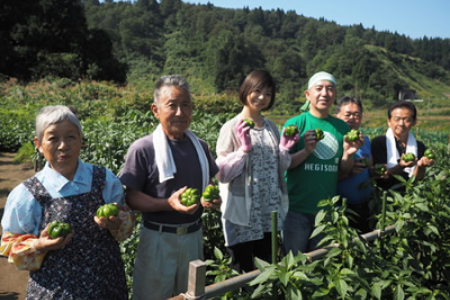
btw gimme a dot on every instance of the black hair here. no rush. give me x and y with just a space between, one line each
347 100
257 79
403 104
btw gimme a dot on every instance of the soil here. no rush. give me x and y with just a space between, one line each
13 283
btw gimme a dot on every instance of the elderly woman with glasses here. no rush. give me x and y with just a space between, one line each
86 263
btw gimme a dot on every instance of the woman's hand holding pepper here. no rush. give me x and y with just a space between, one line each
286 142
243 131
112 223
46 243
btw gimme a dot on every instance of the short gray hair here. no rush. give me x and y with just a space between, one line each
170 80
54 114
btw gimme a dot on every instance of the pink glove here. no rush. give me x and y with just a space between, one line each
286 142
243 132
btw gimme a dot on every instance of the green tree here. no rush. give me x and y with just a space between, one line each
48 37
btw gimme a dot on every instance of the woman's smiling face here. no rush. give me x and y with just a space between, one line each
61 144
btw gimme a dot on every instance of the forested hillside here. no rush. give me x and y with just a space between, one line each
215 48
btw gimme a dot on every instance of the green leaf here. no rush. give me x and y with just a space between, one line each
263 277
341 286
261 264
299 275
399 293
258 291
320 216
321 292
376 290
318 230
399 225
347 271
284 278
294 294
433 228
217 253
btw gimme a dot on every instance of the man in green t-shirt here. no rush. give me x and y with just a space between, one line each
313 173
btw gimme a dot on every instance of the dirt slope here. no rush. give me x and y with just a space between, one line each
13 283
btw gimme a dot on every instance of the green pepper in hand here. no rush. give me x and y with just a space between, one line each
59 229
211 192
365 161
379 169
107 210
353 135
429 153
319 134
291 130
407 157
249 122
190 196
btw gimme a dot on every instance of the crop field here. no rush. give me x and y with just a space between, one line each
413 263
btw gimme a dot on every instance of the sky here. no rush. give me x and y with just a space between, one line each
413 18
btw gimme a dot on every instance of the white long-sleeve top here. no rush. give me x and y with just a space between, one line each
235 173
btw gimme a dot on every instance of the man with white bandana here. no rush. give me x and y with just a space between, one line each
158 169
313 173
389 149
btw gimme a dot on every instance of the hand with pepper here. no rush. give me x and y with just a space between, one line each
353 140
309 138
407 157
211 197
107 217
59 229
407 160
353 135
379 170
319 134
429 153
289 137
190 197
175 202
360 164
50 239
243 132
427 160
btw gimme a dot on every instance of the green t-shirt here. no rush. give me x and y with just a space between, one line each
316 178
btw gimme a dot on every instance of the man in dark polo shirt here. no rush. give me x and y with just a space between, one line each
158 169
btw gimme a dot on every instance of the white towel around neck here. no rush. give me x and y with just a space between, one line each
164 159
392 153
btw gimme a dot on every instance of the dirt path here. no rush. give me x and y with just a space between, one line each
13 283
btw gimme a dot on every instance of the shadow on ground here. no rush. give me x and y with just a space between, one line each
9 296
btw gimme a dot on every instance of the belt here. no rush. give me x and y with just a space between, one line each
178 230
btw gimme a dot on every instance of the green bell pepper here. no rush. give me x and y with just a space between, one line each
319 134
107 210
190 197
407 157
429 153
353 135
379 169
291 130
365 161
59 229
211 192
249 122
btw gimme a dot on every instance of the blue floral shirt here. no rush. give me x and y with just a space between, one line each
23 213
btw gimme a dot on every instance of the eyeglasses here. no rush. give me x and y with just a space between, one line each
356 115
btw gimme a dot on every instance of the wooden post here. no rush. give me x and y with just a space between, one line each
196 282
197 278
